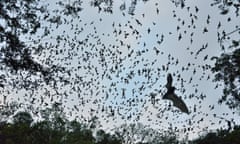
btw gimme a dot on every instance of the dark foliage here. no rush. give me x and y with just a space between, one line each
23 131
220 137
20 19
227 67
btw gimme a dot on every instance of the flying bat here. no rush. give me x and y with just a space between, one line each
169 81
170 95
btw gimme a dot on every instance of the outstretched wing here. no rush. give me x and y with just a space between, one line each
177 102
169 81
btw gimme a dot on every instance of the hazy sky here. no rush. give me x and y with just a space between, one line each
105 33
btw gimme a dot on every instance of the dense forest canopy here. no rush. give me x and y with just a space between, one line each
106 63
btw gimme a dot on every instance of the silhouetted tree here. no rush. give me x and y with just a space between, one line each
139 133
21 20
105 138
23 118
227 65
227 68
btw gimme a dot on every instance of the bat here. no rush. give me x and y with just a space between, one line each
170 95
169 81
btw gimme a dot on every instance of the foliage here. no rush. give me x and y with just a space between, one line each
19 21
138 133
227 65
220 137
105 138
52 132
22 118
56 129
18 18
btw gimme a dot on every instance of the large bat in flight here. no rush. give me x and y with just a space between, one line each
170 95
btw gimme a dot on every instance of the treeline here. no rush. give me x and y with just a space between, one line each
58 130
221 136
23 130
53 127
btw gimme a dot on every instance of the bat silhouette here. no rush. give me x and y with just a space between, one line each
170 95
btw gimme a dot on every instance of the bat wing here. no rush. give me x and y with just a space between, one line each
177 102
169 81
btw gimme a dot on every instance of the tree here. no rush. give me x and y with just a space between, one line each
21 132
227 65
21 20
105 138
139 133
15 15
23 118
220 136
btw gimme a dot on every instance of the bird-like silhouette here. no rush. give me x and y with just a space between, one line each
170 95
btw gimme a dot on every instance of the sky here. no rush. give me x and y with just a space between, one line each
107 65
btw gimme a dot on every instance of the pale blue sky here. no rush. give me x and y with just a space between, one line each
162 23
